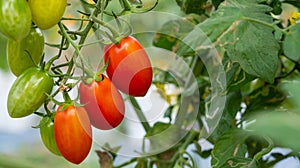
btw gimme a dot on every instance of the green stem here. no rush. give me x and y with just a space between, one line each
77 50
260 154
76 19
126 163
140 114
193 134
274 27
109 27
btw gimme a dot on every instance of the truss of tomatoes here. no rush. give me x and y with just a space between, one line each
68 132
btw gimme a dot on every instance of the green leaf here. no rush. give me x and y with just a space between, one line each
265 97
216 3
233 105
292 42
283 128
293 90
239 162
293 2
234 25
251 51
157 128
169 35
236 77
230 145
192 6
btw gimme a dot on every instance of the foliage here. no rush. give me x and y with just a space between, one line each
238 49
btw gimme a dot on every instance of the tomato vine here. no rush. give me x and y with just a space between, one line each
232 66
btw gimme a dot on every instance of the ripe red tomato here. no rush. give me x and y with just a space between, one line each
73 133
103 103
129 67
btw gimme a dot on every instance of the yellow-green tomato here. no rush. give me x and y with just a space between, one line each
26 53
29 92
47 135
47 13
15 19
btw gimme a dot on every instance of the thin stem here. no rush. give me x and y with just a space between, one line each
140 114
260 154
274 27
126 163
76 19
109 27
77 50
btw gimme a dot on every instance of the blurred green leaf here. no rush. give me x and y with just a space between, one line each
192 6
170 34
230 145
291 43
293 2
282 127
216 3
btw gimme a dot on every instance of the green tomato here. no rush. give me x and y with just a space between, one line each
47 13
47 135
29 92
26 53
15 19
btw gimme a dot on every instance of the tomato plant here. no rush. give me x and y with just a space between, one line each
29 92
45 14
15 17
103 103
129 67
226 73
73 133
47 135
26 53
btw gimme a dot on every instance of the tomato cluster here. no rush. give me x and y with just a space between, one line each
16 16
67 129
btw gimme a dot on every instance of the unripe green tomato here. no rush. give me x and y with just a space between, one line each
26 53
47 135
47 13
28 92
15 19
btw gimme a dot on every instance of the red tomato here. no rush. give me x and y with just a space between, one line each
103 103
73 133
129 67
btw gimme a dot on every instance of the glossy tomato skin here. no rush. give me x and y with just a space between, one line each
15 19
28 92
47 135
73 133
103 103
47 13
129 67
18 52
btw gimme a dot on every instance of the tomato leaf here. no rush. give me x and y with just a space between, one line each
233 105
234 26
230 145
293 2
188 6
239 162
282 127
216 3
291 43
